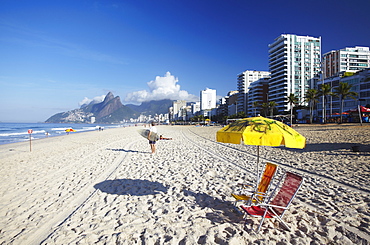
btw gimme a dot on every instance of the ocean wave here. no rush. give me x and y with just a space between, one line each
18 132
59 129
22 133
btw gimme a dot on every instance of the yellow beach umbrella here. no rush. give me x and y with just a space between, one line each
70 130
261 131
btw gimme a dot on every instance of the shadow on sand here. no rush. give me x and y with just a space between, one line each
124 150
222 211
353 147
133 187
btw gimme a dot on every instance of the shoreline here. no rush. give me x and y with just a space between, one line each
106 187
18 132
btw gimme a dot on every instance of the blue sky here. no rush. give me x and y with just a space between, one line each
55 55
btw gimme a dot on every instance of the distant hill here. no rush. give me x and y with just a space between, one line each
152 107
111 110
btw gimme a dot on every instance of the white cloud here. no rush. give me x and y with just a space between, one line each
161 88
96 100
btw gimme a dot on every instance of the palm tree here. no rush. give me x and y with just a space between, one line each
292 100
255 105
343 91
265 107
312 98
241 114
272 105
325 90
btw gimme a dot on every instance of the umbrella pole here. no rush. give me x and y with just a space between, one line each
258 159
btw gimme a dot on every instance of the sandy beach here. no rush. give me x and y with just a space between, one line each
106 188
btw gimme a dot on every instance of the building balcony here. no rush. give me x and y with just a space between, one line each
258 91
254 97
281 97
278 76
278 53
278 44
278 82
280 102
278 72
279 90
274 59
279 85
280 56
259 95
278 66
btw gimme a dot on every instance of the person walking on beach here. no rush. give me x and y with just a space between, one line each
152 130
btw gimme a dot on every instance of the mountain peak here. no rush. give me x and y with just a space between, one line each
109 111
108 97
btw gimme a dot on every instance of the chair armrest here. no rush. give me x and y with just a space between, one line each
253 193
261 193
271 206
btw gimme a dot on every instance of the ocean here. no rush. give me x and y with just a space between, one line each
18 132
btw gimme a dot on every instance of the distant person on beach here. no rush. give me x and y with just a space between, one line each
152 129
163 138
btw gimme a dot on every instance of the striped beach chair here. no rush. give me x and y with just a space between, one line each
278 203
248 193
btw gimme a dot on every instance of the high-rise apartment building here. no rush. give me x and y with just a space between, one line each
195 107
258 91
207 99
228 103
294 64
244 80
345 60
177 108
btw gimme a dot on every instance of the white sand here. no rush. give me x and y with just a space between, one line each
106 188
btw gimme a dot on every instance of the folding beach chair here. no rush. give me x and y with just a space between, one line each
249 195
276 205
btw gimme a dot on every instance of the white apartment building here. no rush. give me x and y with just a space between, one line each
177 105
350 59
177 109
207 99
244 80
294 64
195 107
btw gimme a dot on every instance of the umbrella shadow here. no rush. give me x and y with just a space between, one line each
334 147
124 150
132 187
223 211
